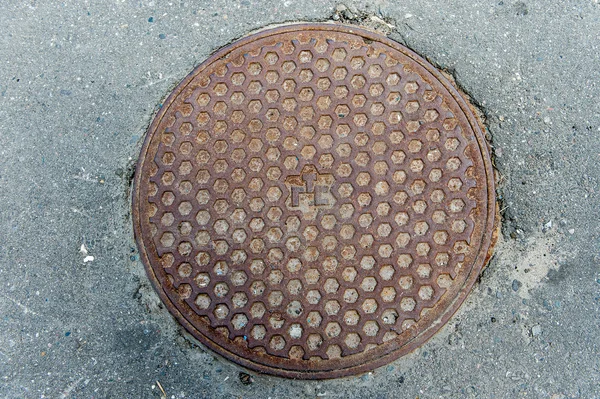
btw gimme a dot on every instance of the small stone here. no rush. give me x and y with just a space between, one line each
245 378
571 231
348 14
516 284
536 330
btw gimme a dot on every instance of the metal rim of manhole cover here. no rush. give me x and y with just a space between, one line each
314 201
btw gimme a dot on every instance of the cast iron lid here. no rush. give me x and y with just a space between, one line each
314 201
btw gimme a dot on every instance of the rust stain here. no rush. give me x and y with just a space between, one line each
314 201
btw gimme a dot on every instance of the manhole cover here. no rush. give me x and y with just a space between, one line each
314 201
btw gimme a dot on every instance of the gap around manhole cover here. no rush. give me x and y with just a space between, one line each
314 201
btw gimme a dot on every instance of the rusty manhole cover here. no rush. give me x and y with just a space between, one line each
314 201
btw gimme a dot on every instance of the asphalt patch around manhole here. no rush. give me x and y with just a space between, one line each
314 201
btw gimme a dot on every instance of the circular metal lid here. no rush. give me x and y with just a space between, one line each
314 201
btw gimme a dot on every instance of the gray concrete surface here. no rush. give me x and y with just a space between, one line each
79 83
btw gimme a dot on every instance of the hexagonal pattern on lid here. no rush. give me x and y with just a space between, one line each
314 201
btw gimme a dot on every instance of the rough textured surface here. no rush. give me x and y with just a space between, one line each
314 201
80 83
